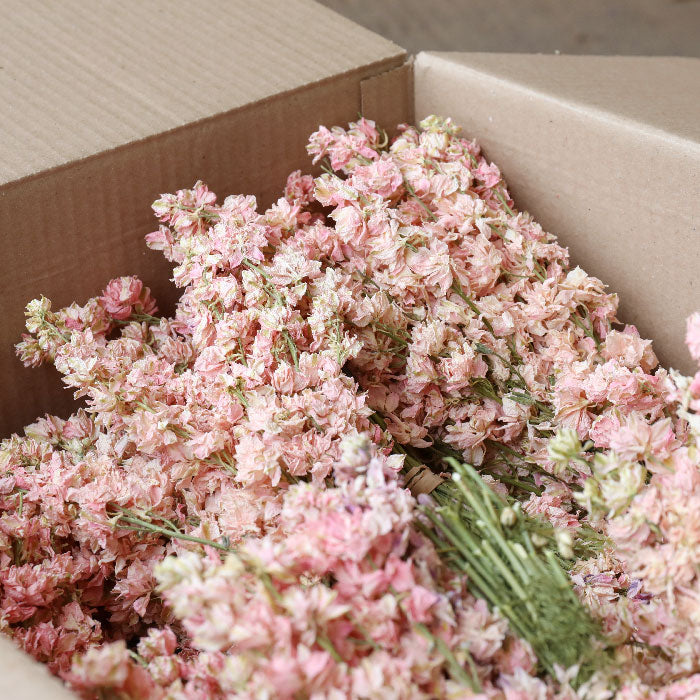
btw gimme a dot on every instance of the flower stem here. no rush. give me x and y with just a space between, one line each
456 669
139 524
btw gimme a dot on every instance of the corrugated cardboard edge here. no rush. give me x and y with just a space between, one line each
389 95
382 71
622 195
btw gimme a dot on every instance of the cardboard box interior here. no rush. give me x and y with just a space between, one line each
604 152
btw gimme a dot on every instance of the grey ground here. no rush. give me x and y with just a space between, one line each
631 27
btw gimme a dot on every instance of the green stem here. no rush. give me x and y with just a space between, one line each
412 192
326 644
243 357
458 672
139 524
502 200
382 328
292 348
267 284
239 395
457 288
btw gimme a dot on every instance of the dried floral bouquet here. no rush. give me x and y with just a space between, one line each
389 446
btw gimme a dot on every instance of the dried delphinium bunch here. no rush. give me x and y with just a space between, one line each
230 474
227 518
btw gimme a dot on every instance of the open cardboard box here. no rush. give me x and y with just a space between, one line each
105 106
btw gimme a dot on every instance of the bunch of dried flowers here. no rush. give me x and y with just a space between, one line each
388 446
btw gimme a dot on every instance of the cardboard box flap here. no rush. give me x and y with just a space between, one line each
605 153
651 92
79 78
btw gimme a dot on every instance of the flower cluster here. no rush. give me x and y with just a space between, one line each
228 514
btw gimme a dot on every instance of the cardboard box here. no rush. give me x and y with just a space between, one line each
105 106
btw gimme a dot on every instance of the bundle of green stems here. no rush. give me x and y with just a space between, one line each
510 561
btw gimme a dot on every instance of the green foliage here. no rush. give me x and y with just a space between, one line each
513 568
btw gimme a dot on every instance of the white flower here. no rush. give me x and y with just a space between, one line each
564 447
176 569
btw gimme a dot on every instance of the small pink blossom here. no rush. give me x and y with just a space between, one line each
692 337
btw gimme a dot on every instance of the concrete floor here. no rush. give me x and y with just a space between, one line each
631 27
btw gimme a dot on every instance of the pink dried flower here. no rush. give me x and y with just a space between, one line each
692 337
125 296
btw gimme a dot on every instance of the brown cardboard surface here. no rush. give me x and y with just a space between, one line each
388 97
79 78
244 97
21 678
605 153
